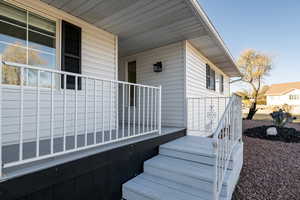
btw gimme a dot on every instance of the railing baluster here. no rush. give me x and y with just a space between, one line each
152 111
155 109
76 115
102 92
218 108
148 108
37 113
139 109
193 114
123 110
116 94
110 111
52 114
21 113
159 110
85 112
65 113
204 114
95 113
128 134
144 110
133 127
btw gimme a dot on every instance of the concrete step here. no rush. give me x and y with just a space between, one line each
146 187
196 149
193 174
184 169
181 171
192 148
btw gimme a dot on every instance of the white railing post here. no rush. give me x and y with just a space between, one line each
1 164
240 119
215 185
21 113
159 110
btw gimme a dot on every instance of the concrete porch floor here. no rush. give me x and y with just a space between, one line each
11 152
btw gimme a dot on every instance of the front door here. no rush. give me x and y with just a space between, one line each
131 78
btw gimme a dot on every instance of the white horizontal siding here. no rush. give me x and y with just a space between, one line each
196 74
171 79
98 60
11 112
198 117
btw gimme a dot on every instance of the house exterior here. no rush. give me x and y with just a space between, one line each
284 93
84 81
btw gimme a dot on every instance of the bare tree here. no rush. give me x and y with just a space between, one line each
254 66
248 96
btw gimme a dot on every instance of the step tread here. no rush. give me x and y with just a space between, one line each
184 167
194 143
157 188
177 186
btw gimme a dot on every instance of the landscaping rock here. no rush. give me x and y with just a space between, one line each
272 131
289 135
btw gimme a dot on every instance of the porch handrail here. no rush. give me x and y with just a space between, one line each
226 136
72 74
120 110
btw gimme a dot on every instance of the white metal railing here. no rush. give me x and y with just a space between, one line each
91 113
226 136
221 119
204 113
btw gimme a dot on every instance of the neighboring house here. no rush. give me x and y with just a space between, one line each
284 93
91 89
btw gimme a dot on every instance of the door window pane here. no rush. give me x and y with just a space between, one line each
132 79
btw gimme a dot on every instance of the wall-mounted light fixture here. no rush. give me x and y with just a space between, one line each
157 67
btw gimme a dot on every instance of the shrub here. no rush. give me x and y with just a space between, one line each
281 118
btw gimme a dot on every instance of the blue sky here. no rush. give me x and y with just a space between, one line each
270 26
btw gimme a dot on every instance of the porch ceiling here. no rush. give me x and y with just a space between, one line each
147 24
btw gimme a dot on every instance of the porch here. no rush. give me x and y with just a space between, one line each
80 117
41 122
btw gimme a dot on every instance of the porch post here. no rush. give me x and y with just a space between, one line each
159 111
1 164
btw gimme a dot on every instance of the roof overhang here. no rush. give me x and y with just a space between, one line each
142 24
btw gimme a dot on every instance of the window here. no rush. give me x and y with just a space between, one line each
294 97
71 52
26 38
132 79
221 83
210 78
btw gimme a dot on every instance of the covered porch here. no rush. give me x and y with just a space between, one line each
75 122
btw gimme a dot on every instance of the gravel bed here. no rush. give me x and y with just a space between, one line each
283 134
271 171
